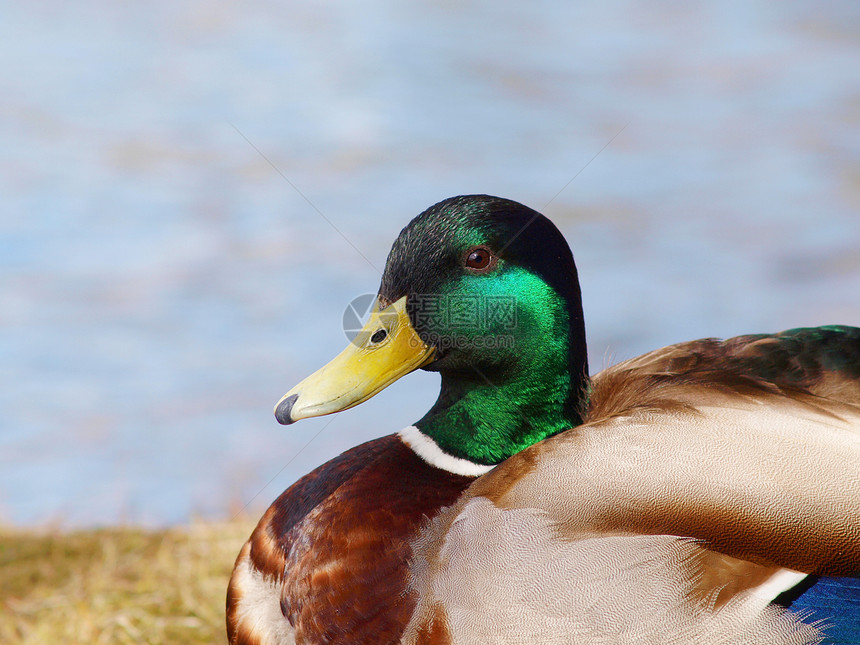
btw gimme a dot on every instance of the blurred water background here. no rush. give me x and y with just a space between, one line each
163 281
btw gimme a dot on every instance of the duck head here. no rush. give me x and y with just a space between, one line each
484 291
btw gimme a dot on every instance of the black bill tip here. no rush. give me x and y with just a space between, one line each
284 409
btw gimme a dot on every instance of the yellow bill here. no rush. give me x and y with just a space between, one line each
386 348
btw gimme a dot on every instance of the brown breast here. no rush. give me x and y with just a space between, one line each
336 543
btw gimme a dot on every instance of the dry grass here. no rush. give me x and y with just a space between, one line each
122 585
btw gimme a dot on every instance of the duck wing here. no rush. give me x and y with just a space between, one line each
705 483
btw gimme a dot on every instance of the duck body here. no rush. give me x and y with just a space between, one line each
708 492
759 474
328 559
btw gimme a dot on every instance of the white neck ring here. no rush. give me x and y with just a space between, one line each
424 446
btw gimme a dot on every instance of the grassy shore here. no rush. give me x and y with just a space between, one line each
118 585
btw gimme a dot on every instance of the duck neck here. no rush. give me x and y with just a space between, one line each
485 415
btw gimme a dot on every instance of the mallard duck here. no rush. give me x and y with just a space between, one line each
697 494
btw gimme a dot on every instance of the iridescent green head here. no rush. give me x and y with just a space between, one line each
492 286
483 290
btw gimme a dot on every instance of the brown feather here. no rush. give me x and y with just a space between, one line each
434 630
337 544
720 578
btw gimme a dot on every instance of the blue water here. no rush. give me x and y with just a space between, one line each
163 282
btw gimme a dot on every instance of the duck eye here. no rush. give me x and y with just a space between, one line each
480 258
